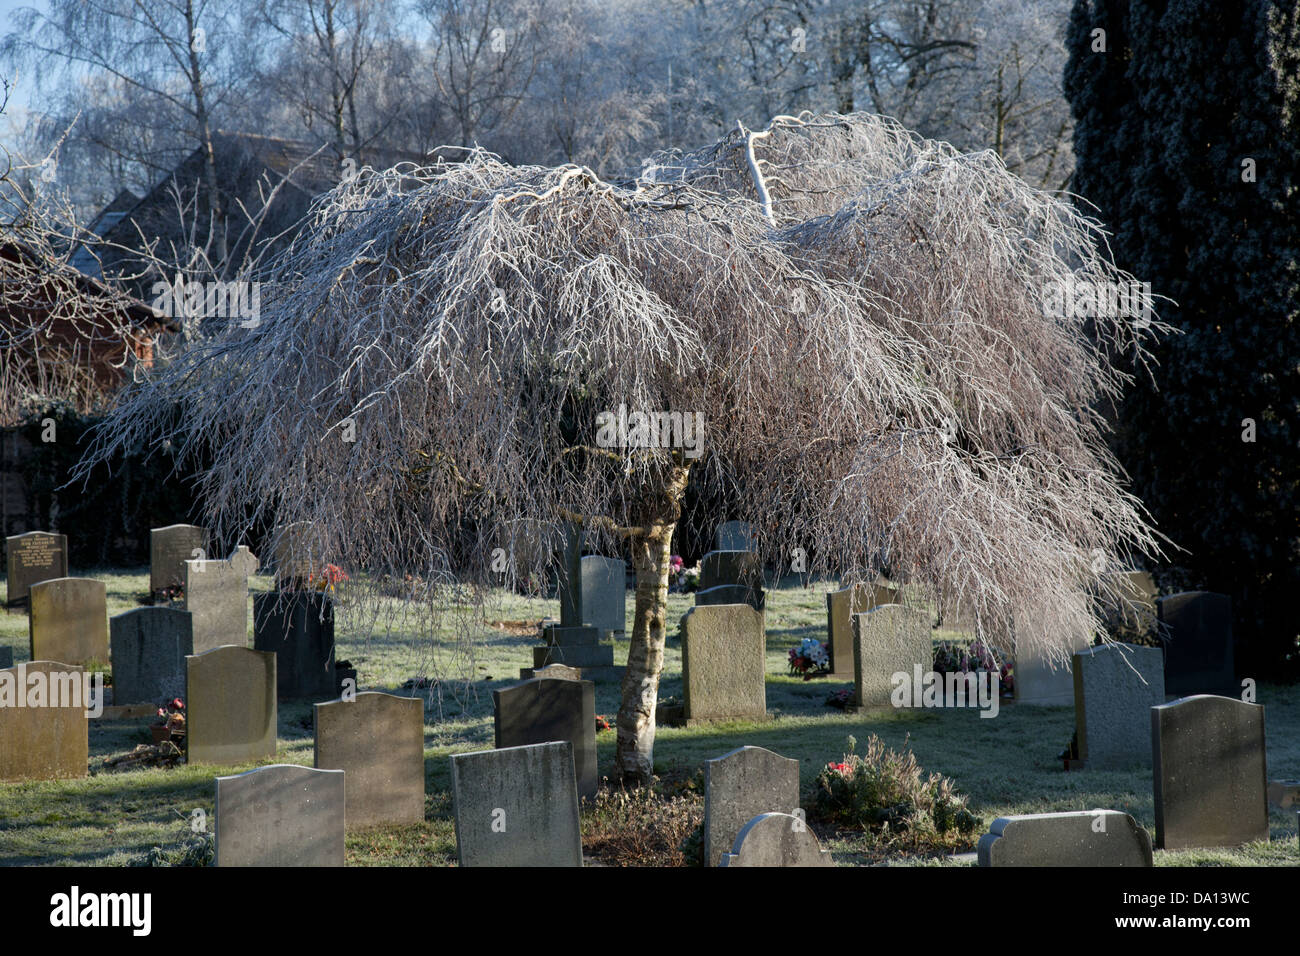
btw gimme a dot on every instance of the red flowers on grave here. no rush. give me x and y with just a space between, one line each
331 576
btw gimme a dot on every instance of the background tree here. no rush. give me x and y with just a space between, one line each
1188 143
856 313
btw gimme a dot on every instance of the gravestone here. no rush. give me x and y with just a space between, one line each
298 627
887 640
1210 776
1196 631
150 645
735 536
43 742
723 663
739 786
731 594
1133 612
1084 838
731 567
293 552
230 705
776 839
1115 687
1044 678
216 593
538 711
281 815
551 672
604 594
169 549
31 558
6 657
517 806
68 621
840 607
378 740
571 642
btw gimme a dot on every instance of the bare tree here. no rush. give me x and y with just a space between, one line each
857 316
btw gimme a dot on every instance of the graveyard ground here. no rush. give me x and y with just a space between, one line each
1003 765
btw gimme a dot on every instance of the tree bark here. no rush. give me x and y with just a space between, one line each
651 554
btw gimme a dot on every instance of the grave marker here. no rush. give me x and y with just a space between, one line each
68 621
43 742
378 740
150 645
517 806
723 663
538 711
739 786
281 815
169 549
888 639
604 594
776 839
298 627
34 557
1196 630
230 703
216 593
1084 838
1115 687
735 536
841 605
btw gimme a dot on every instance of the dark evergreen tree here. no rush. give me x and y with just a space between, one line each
1187 140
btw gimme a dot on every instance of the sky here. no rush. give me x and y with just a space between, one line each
22 98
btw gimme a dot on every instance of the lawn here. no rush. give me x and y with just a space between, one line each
1004 765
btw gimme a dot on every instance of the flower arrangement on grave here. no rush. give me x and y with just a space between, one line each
330 577
687 579
810 658
172 725
840 699
958 657
675 568
602 723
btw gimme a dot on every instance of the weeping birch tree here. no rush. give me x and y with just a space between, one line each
863 327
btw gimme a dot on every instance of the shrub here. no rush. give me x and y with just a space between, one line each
197 851
645 826
887 795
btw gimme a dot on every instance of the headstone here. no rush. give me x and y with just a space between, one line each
281 815
43 742
169 549
739 786
1210 775
1044 678
776 839
150 645
298 627
887 640
1115 687
34 557
604 593
1084 838
736 536
551 672
731 567
724 648
517 806
840 607
571 642
731 594
68 621
538 711
230 706
292 551
1133 612
378 740
1196 630
216 593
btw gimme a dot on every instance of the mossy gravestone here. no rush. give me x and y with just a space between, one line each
169 549
150 645
281 815
841 605
378 740
216 593
68 621
31 558
740 785
888 640
547 709
516 807
43 742
723 663
231 709
1086 838
1210 776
